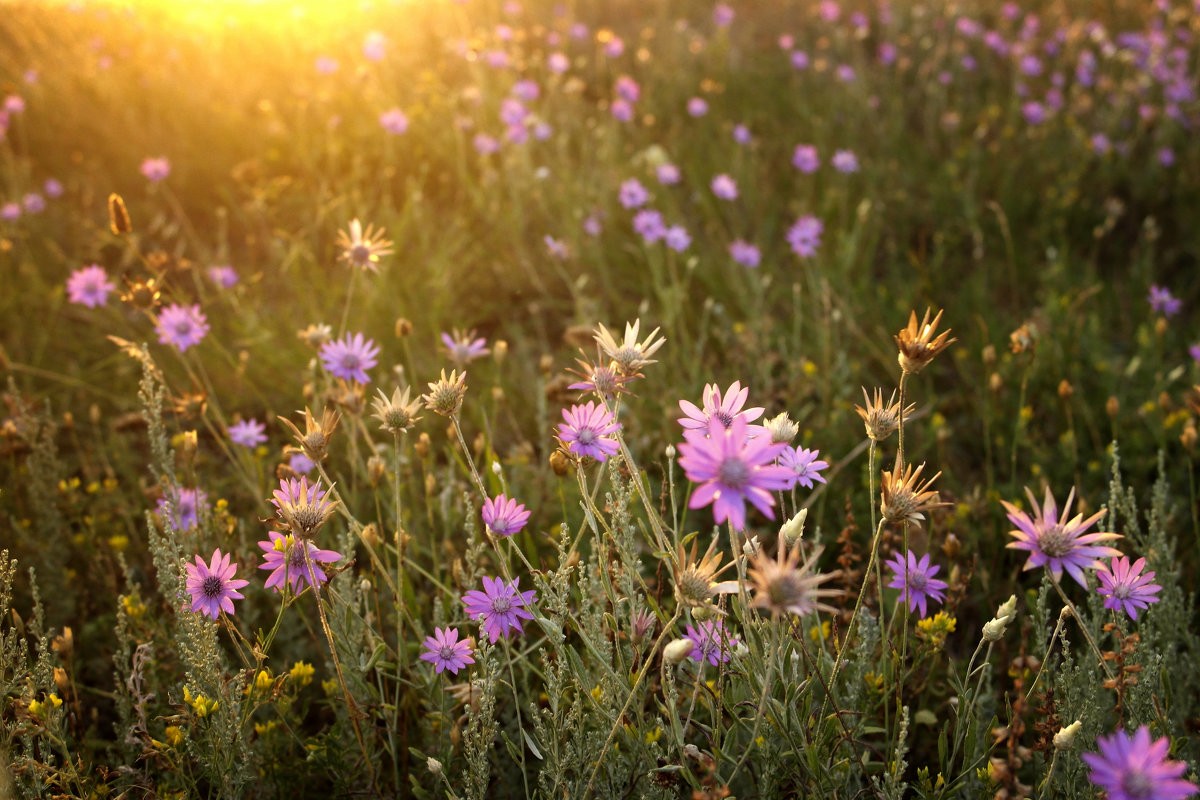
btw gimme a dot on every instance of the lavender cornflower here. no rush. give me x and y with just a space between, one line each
586 430
710 641
557 248
283 554
725 408
248 433
745 254
1163 302
558 63
223 275
722 15
677 238
915 581
730 468
1135 768
185 508
627 89
182 326
649 224
33 203
633 194
1058 543
53 187
805 236
621 110
10 212
724 187
741 134
805 159
1126 586
697 107
464 348
485 145
804 466
156 169
845 161
1034 112
500 606
446 652
526 90
394 121
212 586
667 174
799 59
350 358
503 515
89 286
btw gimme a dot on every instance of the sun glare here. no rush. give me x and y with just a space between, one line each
258 13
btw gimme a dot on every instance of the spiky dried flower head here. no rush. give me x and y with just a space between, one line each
314 442
315 335
881 420
696 581
606 380
304 507
629 354
917 343
446 394
142 295
904 497
363 248
782 428
118 215
396 414
785 585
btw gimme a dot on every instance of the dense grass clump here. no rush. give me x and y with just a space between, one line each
612 399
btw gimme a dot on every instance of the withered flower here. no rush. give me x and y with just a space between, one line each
784 584
880 420
903 499
917 343
314 442
695 582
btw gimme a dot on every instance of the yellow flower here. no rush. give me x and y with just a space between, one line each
199 703
174 735
654 735
262 681
132 605
935 629
301 673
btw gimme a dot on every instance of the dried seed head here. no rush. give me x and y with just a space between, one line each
314 442
782 429
881 420
783 584
903 498
917 344
695 582
398 413
315 335
142 295
446 394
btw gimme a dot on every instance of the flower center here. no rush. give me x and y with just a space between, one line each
1054 542
586 436
725 417
1137 784
350 361
1122 591
917 581
360 254
446 653
183 327
212 586
296 557
501 605
734 473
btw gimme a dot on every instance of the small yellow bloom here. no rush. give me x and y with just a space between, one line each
263 680
264 728
596 694
654 735
301 673
330 687
119 542
132 605
174 735
819 634
199 703
935 629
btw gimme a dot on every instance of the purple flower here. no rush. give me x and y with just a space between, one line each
1100 144
649 224
786 41
1194 352
1166 157
485 145
513 112
667 174
725 408
592 225
212 586
1134 768
725 187
503 515
526 90
622 110
1034 112
722 15
156 169
627 89
741 134
1163 302
557 248
805 158
845 73
303 506
248 433
586 429
710 641
10 212
14 104
804 466
1125 586
394 121
350 358
845 161
301 464
89 286
283 554
326 65
697 107
501 606
615 47
730 468
1058 542
185 507
677 238
633 194
446 652
799 59
558 63
33 203
374 46
52 187
223 275
464 348
805 236
915 581
745 253
1031 65
182 326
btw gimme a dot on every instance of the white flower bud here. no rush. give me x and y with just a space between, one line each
495 467
793 529
434 766
993 630
751 547
675 652
1065 738
671 452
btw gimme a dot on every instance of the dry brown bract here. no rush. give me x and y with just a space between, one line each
314 442
784 584
917 343
880 420
696 583
902 498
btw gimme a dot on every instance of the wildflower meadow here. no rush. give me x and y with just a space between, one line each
610 399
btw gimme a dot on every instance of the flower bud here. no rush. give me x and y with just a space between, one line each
434 766
675 652
994 629
1065 738
793 529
